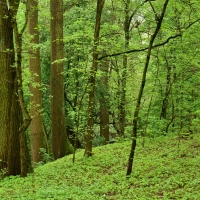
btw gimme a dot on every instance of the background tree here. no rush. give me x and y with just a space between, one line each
93 70
122 103
24 153
104 106
36 127
137 109
58 124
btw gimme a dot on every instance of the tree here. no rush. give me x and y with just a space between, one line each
24 153
127 22
14 152
137 109
35 88
11 118
93 70
104 106
58 124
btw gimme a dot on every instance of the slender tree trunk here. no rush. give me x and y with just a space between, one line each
59 135
122 114
104 113
24 155
26 120
150 102
36 126
137 109
165 102
90 122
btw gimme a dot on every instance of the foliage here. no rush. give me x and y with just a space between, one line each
170 102
159 172
45 158
182 55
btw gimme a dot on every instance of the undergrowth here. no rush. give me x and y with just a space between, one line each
163 169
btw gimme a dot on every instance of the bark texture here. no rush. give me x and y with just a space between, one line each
36 126
11 117
59 135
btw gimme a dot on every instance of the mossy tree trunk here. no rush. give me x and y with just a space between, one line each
11 115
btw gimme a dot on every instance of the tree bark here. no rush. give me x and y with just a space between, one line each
59 135
11 115
36 126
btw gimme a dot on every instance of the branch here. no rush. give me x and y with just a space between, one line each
154 11
70 103
154 46
142 49
167 40
192 23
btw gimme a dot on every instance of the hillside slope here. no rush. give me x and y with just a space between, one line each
163 169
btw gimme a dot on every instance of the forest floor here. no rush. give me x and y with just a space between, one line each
165 168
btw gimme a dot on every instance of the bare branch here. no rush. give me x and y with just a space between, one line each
192 23
154 46
142 49
154 11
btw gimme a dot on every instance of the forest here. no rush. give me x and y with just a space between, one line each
106 89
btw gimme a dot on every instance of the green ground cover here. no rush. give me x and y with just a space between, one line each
165 168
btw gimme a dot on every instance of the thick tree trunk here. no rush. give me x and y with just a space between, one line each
36 126
90 122
59 135
6 60
10 118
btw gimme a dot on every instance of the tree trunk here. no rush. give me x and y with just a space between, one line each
36 126
11 116
150 102
122 114
165 101
59 135
90 122
137 109
104 113
24 155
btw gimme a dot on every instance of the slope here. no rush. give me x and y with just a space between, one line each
165 168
